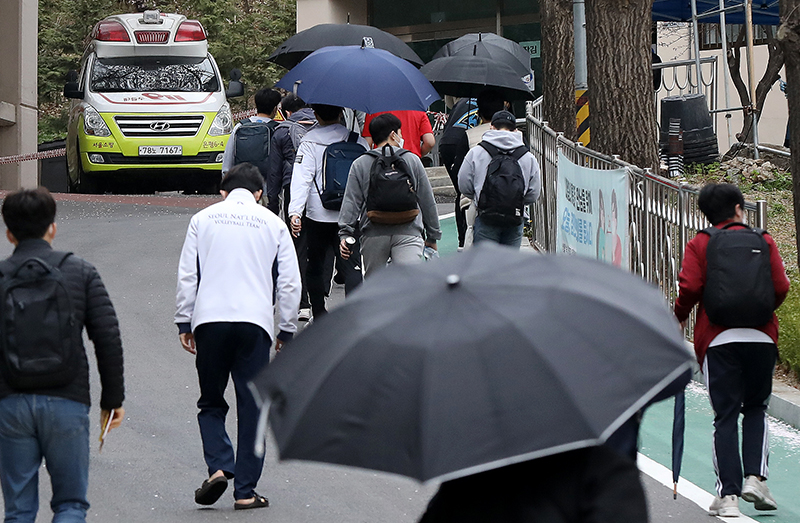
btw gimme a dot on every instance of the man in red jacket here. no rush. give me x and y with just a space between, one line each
737 363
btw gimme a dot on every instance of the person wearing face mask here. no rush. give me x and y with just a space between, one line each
402 235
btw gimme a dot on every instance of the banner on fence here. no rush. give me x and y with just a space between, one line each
592 208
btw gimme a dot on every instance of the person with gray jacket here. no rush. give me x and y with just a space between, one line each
402 242
503 136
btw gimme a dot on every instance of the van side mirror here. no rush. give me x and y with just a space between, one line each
71 90
235 89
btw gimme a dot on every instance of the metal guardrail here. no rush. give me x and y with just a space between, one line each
662 214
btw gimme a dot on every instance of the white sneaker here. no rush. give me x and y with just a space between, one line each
756 492
726 507
304 314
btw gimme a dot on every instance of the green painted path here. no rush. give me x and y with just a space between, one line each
784 460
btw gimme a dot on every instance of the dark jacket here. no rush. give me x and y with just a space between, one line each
281 157
93 309
590 485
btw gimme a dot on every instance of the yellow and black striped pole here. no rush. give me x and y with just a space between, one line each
582 120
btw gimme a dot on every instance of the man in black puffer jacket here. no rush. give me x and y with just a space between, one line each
52 422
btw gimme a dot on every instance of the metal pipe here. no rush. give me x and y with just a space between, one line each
696 45
761 214
579 28
723 28
751 78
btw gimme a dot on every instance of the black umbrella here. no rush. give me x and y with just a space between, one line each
487 39
292 51
492 46
468 75
473 362
678 429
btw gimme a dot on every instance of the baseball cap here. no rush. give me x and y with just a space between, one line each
504 117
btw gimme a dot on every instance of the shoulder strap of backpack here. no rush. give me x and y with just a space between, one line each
353 137
518 153
489 148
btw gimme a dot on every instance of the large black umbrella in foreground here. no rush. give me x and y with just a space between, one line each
493 46
295 49
468 75
473 362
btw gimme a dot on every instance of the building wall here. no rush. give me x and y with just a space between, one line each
18 98
314 12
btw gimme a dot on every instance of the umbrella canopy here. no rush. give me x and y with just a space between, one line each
370 80
473 362
468 75
295 49
490 45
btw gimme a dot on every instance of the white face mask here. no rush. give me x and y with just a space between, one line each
399 140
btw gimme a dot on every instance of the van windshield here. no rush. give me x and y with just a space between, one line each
154 74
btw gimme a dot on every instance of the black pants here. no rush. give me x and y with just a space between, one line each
230 350
301 247
739 380
323 248
447 155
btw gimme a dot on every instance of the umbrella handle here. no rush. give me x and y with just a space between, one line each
296 85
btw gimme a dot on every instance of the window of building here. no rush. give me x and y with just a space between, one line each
710 35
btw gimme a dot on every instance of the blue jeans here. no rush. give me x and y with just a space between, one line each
511 236
33 427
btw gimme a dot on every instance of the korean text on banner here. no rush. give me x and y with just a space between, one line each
593 212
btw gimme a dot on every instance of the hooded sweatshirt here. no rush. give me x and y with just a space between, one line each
473 170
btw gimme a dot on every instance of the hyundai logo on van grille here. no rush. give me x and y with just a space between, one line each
159 125
152 37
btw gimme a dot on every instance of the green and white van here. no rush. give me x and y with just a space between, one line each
149 109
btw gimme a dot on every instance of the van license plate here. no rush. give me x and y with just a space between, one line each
160 150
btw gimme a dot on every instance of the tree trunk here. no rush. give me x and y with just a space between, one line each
621 81
774 65
558 66
789 38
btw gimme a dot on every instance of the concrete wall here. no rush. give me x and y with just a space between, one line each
314 12
18 99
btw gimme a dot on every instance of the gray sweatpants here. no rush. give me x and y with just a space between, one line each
401 248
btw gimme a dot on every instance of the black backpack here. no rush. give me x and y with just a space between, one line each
501 201
336 164
39 340
253 142
391 197
739 291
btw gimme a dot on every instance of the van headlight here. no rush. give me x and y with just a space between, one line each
93 123
223 122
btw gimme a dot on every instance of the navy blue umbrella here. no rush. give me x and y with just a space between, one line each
363 78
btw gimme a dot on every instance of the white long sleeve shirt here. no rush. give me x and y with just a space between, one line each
308 167
225 270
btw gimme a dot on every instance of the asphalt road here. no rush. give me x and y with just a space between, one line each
150 467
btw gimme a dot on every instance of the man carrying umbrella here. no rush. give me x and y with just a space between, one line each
737 349
321 223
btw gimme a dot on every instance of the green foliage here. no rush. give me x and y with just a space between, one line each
789 317
241 34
